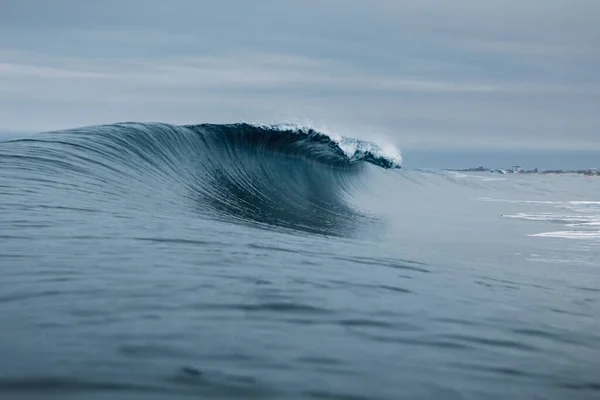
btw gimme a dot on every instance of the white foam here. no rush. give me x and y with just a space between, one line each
551 260
585 202
354 148
582 216
570 234
458 175
486 179
521 201
574 219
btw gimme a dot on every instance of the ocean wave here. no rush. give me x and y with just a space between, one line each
278 175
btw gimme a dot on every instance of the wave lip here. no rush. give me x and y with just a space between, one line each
352 149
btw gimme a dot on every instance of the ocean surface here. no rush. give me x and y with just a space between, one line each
152 261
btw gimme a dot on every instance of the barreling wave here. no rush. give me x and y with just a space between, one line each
277 176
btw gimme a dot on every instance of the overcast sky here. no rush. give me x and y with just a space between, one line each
424 73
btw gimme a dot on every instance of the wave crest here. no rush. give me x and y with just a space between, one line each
306 142
353 149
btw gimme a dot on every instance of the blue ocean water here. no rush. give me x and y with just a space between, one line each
152 261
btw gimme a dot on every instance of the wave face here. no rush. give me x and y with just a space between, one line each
276 176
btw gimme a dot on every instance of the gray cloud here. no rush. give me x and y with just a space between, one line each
426 73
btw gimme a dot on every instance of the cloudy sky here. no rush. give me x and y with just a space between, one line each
423 73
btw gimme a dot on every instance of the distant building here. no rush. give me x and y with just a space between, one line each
516 169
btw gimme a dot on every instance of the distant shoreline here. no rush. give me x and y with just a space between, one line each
517 170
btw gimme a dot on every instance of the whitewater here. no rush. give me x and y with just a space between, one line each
153 261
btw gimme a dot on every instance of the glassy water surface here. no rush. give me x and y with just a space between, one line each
152 261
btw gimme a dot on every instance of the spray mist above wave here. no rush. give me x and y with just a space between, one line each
296 178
